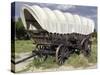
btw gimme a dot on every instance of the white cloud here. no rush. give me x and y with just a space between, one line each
92 16
64 7
57 6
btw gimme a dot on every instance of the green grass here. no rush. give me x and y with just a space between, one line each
81 60
36 64
74 60
77 61
93 57
23 46
49 63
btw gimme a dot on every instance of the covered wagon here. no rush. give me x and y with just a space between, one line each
57 33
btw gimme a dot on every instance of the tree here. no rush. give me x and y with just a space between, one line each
20 30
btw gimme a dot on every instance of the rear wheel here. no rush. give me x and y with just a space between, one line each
87 49
61 54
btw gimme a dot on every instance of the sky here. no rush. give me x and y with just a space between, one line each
86 11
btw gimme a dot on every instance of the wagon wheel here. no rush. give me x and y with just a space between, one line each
88 51
61 54
87 48
39 56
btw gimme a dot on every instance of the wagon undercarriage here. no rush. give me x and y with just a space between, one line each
60 45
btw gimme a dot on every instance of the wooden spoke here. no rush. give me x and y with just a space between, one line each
60 54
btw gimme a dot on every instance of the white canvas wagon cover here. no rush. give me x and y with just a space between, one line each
55 21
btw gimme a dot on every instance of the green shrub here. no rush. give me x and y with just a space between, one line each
20 30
